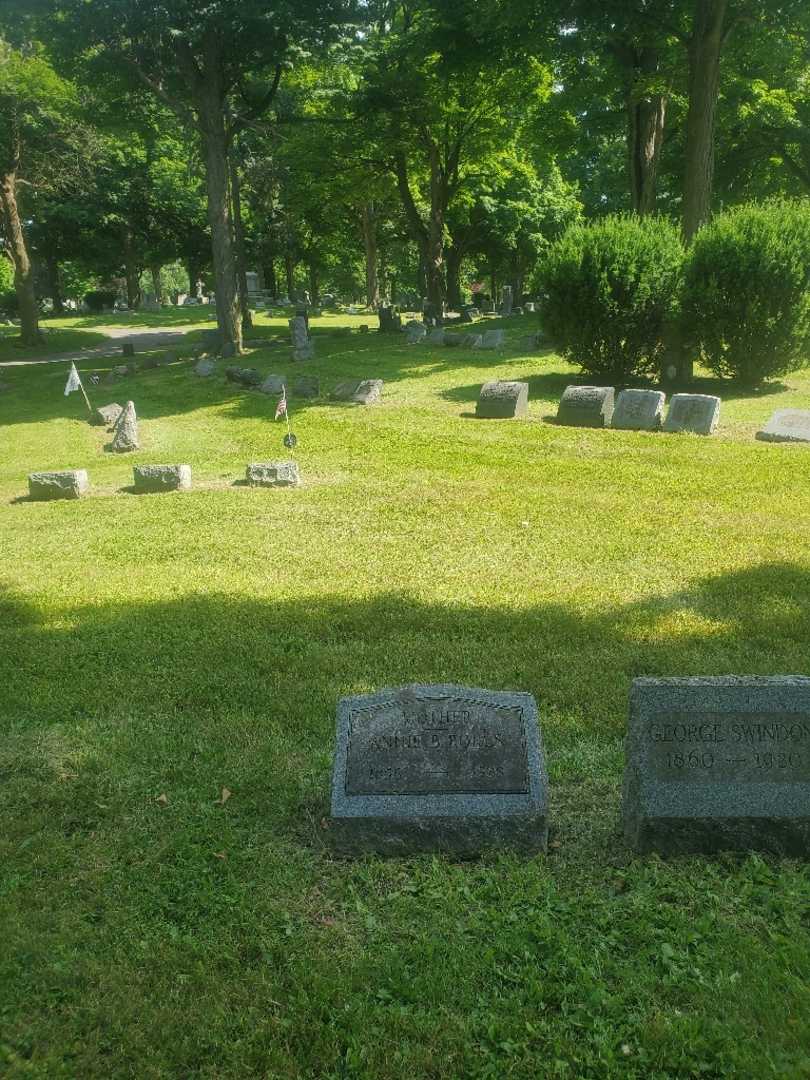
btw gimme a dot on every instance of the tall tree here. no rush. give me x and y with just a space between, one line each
218 67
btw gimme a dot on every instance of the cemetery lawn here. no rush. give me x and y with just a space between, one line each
156 650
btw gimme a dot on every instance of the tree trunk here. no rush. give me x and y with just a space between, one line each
239 246
157 285
435 251
193 271
370 242
646 113
314 285
211 112
454 278
289 273
705 46
23 271
270 281
131 271
55 285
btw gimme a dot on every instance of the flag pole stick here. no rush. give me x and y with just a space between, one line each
86 398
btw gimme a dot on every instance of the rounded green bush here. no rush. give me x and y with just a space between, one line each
608 289
746 293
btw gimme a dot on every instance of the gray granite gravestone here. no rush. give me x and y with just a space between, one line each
361 392
697 413
153 478
204 368
586 406
416 332
273 384
493 339
715 764
438 768
272 474
472 341
306 386
787 425
639 410
66 484
125 432
107 415
436 337
500 400
506 300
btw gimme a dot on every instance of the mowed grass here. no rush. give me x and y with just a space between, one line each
157 649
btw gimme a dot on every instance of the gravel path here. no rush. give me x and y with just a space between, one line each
144 339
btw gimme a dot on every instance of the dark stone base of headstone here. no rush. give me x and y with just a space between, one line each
465 837
708 836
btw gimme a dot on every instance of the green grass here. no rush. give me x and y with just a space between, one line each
172 645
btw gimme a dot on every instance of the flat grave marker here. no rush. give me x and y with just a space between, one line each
63 484
787 425
718 763
438 768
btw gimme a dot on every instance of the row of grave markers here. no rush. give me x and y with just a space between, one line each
75 483
634 410
711 764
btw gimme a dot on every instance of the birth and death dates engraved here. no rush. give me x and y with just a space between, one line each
729 747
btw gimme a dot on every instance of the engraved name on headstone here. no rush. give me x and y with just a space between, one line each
439 768
718 764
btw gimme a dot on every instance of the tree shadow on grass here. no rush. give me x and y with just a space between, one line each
205 690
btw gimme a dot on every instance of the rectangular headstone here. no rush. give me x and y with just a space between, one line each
787 425
715 764
639 410
66 484
306 386
586 406
162 478
416 332
273 384
272 474
436 337
493 339
361 392
439 768
500 400
697 413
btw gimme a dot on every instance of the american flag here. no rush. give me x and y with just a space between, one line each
281 408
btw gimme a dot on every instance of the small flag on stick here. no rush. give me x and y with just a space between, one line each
75 383
281 408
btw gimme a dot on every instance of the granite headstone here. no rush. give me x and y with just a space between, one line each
501 400
586 406
438 768
65 484
639 410
272 474
153 478
696 413
787 425
718 763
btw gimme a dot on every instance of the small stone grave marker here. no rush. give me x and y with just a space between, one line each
438 768
493 339
273 384
152 478
272 474
65 484
639 410
787 425
362 392
472 341
696 413
500 400
125 437
436 337
721 763
107 415
204 368
586 406
416 332
306 386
